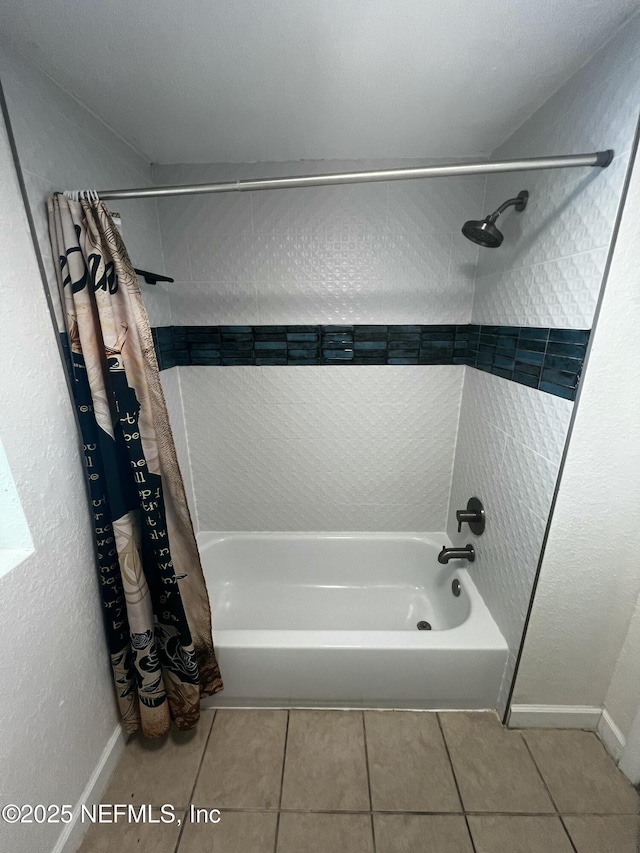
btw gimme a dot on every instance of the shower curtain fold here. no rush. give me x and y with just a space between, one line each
156 608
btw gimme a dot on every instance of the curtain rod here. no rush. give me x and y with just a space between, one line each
564 161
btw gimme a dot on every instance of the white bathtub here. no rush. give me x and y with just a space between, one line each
330 620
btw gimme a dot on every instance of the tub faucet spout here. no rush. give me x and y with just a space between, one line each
466 553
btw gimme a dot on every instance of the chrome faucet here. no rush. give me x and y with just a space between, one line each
466 553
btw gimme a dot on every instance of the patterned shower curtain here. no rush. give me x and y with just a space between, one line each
155 603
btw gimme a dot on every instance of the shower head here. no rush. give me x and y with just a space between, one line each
484 232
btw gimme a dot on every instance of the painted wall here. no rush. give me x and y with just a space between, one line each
320 448
57 705
63 146
548 272
582 643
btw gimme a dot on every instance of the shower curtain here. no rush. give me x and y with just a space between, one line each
155 603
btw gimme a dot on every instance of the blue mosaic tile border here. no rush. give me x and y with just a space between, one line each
549 360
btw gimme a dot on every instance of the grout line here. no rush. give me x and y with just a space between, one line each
564 826
544 781
195 781
275 840
366 761
470 812
455 779
284 761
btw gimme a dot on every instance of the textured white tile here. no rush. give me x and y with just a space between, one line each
508 449
170 380
539 421
504 298
156 301
564 293
438 301
326 302
213 303
529 475
322 448
176 256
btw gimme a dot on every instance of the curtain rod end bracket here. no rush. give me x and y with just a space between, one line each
604 158
152 277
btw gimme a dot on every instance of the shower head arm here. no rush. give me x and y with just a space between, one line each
519 202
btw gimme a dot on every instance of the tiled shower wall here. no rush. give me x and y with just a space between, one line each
320 448
547 273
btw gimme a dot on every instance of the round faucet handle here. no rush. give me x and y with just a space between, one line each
473 515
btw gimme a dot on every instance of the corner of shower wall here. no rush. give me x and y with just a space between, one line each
541 285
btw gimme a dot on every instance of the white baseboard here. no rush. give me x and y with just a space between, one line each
611 736
71 836
554 717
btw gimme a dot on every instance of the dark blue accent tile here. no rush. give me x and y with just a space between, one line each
531 369
567 336
274 330
297 345
529 357
231 361
559 377
303 336
501 361
337 354
533 332
297 354
535 357
378 346
558 390
237 348
561 362
359 335
199 334
532 344
505 374
204 351
260 346
572 350
525 379
205 360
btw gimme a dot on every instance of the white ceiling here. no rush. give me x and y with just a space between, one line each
244 80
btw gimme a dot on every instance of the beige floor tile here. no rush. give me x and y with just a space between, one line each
517 834
580 775
408 764
421 833
107 838
324 833
604 833
492 765
237 832
325 767
160 771
242 766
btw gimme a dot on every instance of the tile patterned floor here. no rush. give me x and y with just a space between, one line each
373 782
